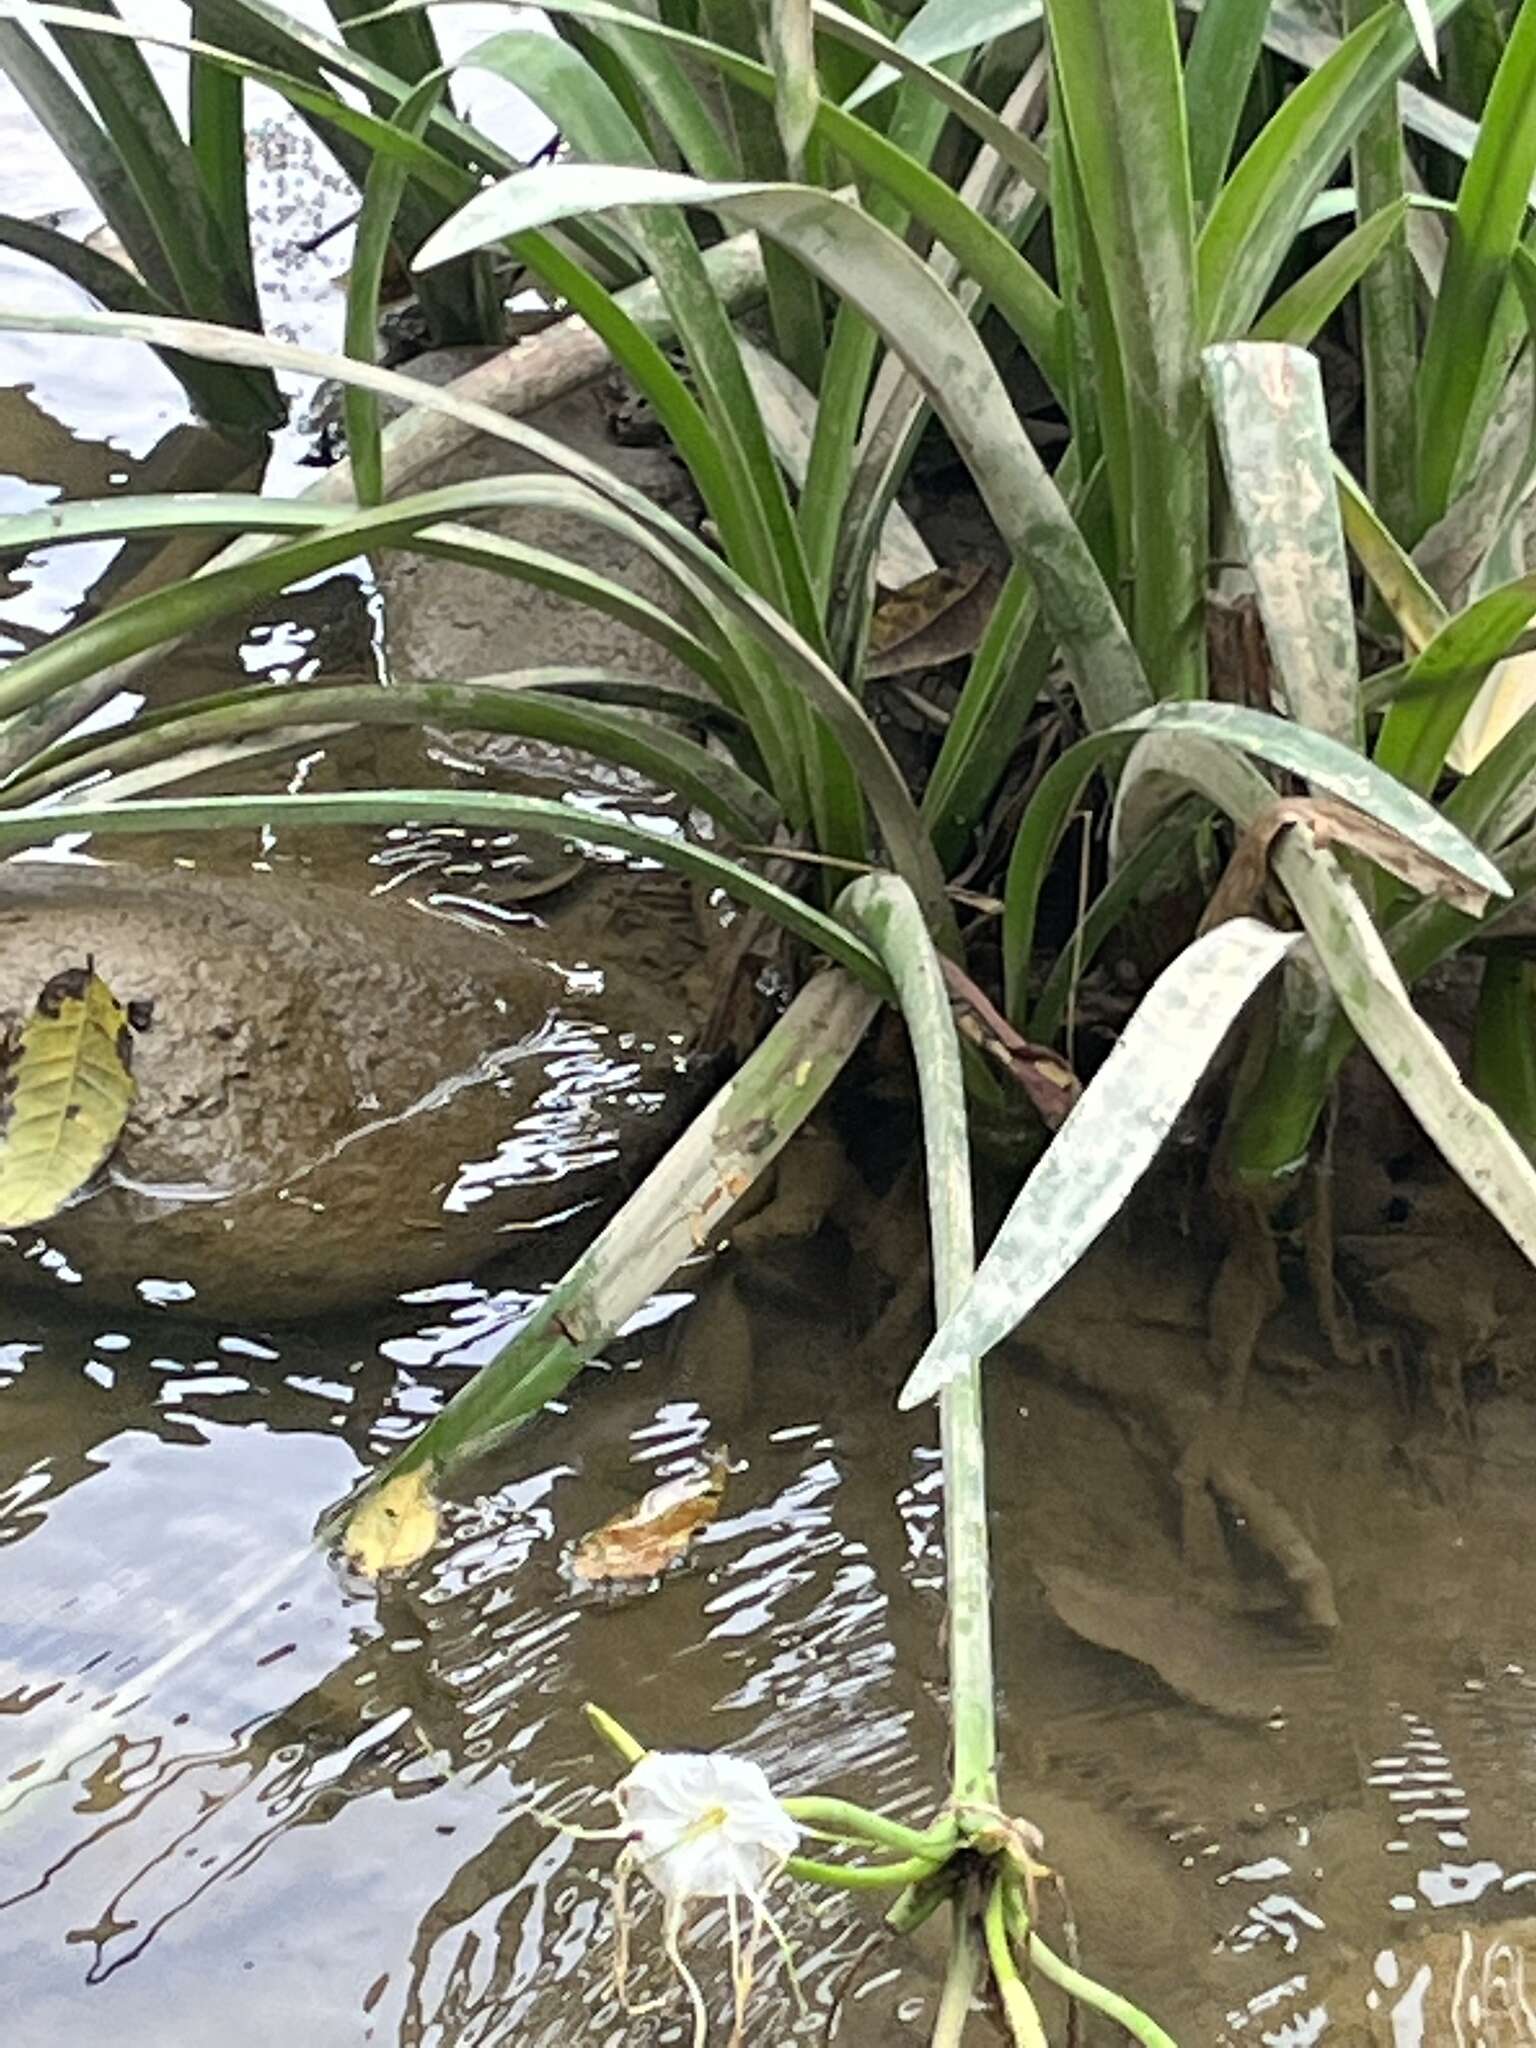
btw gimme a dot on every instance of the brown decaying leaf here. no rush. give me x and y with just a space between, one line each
930 621
1043 1074
655 1535
1241 669
1244 887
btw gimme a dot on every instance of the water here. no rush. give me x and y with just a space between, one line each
248 1798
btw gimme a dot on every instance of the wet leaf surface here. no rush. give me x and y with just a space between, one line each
635 1548
65 1091
395 1527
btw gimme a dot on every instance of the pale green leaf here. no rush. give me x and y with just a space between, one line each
1111 1137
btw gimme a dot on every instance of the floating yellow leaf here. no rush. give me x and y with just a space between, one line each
654 1535
65 1091
393 1528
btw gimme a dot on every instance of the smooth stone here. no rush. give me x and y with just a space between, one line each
447 621
339 1099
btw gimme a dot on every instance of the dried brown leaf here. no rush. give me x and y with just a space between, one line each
653 1536
1243 889
1043 1074
938 618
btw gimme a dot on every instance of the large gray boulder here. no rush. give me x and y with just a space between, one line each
340 1098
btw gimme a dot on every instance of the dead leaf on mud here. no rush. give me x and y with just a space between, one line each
393 1528
66 1088
655 1535
1242 890
929 622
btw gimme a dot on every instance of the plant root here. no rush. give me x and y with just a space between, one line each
1245 1294
1273 1530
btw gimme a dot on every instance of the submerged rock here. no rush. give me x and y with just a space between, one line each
338 1098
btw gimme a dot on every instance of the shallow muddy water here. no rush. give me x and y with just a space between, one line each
243 1798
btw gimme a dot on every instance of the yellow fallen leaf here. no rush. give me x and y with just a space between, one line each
654 1535
394 1528
65 1092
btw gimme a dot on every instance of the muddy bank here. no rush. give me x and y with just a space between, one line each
340 1098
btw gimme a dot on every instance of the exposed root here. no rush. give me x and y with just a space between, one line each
1273 1530
1244 1296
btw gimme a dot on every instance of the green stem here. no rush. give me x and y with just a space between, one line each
1084 1989
887 912
862 1877
614 1734
959 1980
1018 2007
934 1844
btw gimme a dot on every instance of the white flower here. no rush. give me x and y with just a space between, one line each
705 1826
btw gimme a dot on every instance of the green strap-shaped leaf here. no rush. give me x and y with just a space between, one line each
459 807
1304 308
668 758
943 28
897 294
1122 93
1324 763
1272 425
1253 224
1111 1137
1464 330
884 910
722 1152
1468 1134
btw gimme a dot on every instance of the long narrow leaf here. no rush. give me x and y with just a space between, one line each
370 253
896 292
1017 289
1324 763
210 278
1272 424
1464 329
1469 1136
943 28
328 536
672 761
1389 330
906 841
561 821
886 911
632 321
1111 1137
1304 308
231 398
1222 55
1119 76
692 1189
1255 220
